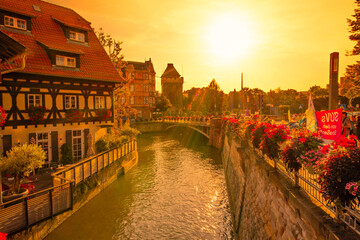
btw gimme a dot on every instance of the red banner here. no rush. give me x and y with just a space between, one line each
329 123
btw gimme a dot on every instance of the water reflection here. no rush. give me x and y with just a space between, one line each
175 192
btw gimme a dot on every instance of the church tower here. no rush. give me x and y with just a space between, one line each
172 86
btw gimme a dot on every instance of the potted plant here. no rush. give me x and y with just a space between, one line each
74 115
37 113
20 162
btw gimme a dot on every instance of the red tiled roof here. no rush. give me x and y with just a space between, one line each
47 33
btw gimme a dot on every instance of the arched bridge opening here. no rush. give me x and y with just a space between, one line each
203 130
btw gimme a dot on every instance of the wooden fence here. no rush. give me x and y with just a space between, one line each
24 212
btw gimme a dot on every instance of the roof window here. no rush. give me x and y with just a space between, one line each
76 36
15 22
65 61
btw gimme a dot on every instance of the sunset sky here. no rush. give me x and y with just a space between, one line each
275 43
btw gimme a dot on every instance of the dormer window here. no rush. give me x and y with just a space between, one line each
76 36
65 61
15 22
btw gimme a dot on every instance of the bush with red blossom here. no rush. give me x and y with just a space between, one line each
301 143
3 236
340 169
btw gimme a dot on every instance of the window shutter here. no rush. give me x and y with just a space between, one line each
69 137
32 135
54 146
86 143
7 143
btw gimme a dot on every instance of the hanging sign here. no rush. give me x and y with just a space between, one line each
329 123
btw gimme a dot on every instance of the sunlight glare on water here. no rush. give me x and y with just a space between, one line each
174 192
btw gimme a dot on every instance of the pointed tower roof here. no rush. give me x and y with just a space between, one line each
170 72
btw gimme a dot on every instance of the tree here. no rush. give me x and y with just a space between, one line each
352 74
113 49
21 161
162 103
121 92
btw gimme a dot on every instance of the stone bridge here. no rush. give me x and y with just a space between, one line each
210 129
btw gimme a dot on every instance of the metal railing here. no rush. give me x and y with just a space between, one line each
308 182
24 212
85 168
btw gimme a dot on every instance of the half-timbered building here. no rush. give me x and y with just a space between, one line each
66 71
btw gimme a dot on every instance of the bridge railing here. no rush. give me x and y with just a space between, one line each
189 121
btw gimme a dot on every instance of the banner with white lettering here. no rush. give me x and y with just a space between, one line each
329 123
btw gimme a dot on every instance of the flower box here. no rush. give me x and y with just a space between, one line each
74 115
103 114
37 114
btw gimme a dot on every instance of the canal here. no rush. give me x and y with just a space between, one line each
176 191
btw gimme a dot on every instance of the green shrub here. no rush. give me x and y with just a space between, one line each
100 146
66 154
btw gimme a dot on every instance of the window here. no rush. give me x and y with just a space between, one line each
42 140
34 100
70 102
76 143
77 36
132 100
99 102
123 100
15 22
65 61
132 88
146 100
145 76
146 88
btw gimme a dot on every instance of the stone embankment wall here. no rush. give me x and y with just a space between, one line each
265 205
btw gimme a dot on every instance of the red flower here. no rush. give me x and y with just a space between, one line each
302 140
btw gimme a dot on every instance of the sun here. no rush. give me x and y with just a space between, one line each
230 37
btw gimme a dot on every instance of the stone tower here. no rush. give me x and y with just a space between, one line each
172 86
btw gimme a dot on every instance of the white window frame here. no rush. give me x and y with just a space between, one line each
76 36
15 23
99 102
65 61
70 102
36 97
81 137
132 100
37 140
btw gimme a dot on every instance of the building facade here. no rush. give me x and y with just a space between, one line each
141 86
64 91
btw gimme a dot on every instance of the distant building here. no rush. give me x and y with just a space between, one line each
141 84
172 86
234 100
